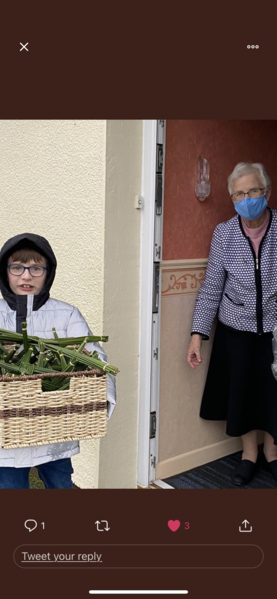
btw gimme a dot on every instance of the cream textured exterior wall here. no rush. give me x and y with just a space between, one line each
118 451
52 182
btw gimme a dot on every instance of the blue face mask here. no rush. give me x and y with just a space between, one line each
251 208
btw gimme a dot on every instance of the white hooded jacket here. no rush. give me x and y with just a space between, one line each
42 313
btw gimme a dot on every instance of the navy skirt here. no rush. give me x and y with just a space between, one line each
240 387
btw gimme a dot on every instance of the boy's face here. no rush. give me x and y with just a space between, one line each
26 284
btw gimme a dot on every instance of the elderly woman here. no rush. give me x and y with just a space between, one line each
241 287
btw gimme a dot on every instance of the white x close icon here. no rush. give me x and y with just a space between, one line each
24 47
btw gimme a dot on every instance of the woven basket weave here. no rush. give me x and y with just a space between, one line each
30 416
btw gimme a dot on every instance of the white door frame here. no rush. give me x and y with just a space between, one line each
146 295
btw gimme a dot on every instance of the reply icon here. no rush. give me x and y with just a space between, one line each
30 525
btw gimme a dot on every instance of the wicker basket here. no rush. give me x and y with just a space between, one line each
30 416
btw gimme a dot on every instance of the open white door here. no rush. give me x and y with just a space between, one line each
151 253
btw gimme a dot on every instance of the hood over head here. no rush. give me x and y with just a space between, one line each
41 245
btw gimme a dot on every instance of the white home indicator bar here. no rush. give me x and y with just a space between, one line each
138 592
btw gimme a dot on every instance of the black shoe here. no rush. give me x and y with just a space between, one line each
272 467
244 473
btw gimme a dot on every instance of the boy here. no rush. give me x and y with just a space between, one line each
27 271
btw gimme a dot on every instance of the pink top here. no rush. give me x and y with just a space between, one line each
256 234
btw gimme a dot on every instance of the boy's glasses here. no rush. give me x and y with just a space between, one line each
19 269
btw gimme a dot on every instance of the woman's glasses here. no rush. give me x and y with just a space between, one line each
252 193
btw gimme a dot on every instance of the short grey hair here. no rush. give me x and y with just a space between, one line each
247 168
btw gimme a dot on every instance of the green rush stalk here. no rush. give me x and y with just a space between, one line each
36 355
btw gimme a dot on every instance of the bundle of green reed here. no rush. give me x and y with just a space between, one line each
34 355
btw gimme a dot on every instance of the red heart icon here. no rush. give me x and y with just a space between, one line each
174 525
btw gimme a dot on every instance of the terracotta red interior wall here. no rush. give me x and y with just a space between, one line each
189 223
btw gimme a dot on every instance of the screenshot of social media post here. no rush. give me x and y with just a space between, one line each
138 308
138 348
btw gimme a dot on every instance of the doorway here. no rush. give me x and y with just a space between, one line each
182 440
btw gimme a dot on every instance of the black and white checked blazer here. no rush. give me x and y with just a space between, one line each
238 287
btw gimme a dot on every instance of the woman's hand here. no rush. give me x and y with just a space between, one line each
194 353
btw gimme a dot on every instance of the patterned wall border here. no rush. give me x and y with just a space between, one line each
182 277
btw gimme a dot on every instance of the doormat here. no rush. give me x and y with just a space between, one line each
217 475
